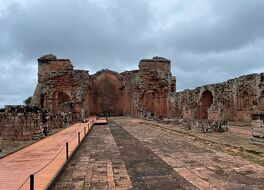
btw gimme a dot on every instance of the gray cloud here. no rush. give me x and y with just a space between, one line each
222 26
207 40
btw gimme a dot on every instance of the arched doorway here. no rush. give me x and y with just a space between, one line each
63 98
147 102
245 100
60 101
106 94
205 103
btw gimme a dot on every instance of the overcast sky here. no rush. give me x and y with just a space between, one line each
208 41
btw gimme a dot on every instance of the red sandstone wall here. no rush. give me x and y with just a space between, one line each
56 65
151 91
106 94
154 84
155 63
53 66
2 117
105 91
21 123
236 99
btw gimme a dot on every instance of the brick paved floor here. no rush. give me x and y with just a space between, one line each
128 155
97 164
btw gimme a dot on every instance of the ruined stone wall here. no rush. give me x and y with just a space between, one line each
136 93
156 63
2 117
20 122
66 91
151 87
62 89
68 95
129 80
237 99
106 93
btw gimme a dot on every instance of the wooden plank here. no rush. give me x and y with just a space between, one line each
101 121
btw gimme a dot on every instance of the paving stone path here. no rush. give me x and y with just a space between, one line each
145 168
128 155
97 165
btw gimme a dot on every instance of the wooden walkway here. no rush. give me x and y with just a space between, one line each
101 121
43 159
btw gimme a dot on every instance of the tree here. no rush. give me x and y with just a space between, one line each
28 100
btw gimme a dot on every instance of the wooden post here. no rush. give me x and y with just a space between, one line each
67 151
32 182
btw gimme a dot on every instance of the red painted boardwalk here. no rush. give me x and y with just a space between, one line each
50 152
101 121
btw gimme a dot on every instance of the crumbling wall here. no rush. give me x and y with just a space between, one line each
2 117
129 80
151 88
62 89
26 122
67 95
237 99
106 95
21 122
66 91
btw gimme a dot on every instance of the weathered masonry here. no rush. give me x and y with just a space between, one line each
62 89
237 99
149 90
64 95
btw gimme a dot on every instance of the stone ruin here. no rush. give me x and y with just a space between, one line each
20 122
239 99
69 95
258 131
28 122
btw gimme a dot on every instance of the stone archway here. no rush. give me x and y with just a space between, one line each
205 103
147 101
245 100
60 99
107 94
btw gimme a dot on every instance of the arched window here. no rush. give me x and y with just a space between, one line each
205 103
245 100
59 100
63 98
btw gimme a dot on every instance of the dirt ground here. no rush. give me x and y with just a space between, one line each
9 146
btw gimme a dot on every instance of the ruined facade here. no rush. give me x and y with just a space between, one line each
239 99
67 95
63 89
151 90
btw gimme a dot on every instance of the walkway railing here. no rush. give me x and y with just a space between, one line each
46 175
